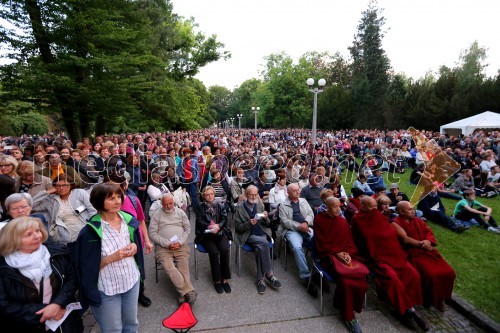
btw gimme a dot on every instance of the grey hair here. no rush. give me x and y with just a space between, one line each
17 197
167 195
251 187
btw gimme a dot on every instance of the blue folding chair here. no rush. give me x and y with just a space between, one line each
316 267
199 247
246 247
307 244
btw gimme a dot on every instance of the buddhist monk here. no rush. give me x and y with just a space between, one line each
436 274
396 280
332 237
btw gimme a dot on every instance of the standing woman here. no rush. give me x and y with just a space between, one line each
110 262
37 281
213 216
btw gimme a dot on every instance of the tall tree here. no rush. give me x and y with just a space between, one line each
370 68
96 60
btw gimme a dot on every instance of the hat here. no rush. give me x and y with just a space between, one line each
379 188
356 192
393 185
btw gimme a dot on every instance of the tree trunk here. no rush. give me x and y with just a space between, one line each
43 45
100 125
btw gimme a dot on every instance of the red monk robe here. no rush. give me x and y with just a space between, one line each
396 279
333 235
436 274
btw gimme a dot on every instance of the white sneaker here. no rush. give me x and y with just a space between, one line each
494 230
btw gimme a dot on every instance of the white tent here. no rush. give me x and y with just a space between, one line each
485 120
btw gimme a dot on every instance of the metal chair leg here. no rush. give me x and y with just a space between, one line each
195 262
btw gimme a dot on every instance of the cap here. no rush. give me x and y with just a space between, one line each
393 185
357 192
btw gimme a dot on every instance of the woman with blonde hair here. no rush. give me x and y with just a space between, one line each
37 280
8 166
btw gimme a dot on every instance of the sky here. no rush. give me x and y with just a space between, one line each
421 35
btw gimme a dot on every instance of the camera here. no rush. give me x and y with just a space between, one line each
259 216
80 209
208 231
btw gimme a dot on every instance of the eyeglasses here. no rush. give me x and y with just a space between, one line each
5 165
18 209
62 185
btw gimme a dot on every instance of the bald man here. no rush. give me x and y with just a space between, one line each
396 279
436 274
333 237
296 219
169 229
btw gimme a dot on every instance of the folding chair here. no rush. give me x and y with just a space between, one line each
181 320
201 248
307 244
246 247
316 266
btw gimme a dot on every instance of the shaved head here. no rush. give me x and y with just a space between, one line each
368 203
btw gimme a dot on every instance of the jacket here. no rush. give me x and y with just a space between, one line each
20 299
88 256
40 183
243 227
48 206
286 215
204 218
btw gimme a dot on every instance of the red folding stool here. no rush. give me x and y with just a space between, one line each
182 320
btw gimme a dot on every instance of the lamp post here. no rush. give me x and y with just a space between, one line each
255 110
232 122
315 90
239 120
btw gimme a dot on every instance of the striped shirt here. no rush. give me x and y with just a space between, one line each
119 276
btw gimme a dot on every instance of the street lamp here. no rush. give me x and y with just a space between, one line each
255 110
232 122
239 120
315 91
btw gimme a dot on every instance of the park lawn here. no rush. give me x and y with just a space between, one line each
474 254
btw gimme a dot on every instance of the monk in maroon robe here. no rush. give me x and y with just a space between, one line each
436 274
332 237
396 280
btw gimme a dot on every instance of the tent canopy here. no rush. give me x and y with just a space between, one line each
485 120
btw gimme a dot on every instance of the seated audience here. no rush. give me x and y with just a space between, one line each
296 220
213 233
335 246
421 246
252 227
169 229
433 209
395 278
465 211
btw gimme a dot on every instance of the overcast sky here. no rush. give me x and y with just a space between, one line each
421 35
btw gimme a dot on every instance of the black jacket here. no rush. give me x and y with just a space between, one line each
205 215
20 299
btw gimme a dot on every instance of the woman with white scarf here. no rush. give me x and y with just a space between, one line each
37 280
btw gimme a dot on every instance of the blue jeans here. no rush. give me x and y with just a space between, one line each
118 313
296 239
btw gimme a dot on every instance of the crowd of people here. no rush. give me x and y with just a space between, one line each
70 208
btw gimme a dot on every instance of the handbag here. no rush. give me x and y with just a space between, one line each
356 271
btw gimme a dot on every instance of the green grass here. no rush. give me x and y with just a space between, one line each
473 254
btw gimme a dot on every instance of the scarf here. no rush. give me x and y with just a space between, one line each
35 265
56 171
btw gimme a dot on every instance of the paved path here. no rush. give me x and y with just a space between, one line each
290 309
